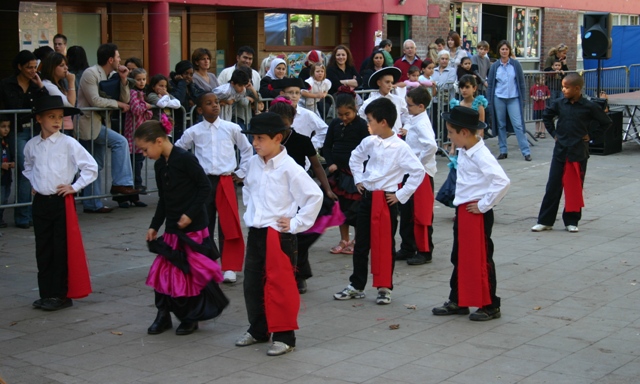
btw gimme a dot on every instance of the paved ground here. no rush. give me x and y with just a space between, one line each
570 313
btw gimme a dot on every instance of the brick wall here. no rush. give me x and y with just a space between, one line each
438 26
419 34
559 26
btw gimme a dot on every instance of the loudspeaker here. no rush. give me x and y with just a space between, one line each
611 141
596 40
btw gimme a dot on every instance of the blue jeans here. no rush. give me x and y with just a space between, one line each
121 173
22 215
512 106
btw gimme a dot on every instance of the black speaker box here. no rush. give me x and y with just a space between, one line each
611 141
596 38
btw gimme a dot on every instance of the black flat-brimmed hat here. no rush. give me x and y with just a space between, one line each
265 123
393 71
288 82
464 117
47 103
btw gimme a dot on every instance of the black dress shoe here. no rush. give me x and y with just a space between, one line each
502 156
161 323
55 303
419 259
37 304
100 210
23 226
302 285
527 158
186 328
403 254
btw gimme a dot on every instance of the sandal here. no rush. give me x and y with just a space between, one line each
536 135
348 250
542 135
340 247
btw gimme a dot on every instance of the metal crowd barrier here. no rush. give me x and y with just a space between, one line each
613 80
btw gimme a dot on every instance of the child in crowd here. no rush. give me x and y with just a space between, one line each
181 86
277 71
345 133
245 108
440 44
160 96
413 81
555 80
468 88
481 184
213 141
139 112
480 64
577 118
465 69
306 122
51 162
388 160
383 81
187 283
281 200
7 165
319 86
539 93
232 92
416 215
427 68
301 149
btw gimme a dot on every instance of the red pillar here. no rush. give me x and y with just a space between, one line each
362 35
158 38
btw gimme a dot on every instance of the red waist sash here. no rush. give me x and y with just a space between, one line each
79 282
572 184
381 257
227 206
281 297
473 275
423 214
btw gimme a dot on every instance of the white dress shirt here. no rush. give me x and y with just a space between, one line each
306 123
480 178
214 147
389 160
422 141
280 188
225 76
55 161
399 102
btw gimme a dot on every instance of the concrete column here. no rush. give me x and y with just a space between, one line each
158 38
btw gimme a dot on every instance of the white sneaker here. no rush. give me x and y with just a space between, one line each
229 277
572 228
349 293
384 296
279 348
540 228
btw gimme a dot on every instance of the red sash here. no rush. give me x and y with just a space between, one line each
281 297
79 283
473 275
381 257
423 214
227 206
572 183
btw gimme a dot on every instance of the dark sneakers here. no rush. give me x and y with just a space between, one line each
419 259
484 314
403 254
450 308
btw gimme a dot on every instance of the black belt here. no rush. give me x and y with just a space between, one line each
54 196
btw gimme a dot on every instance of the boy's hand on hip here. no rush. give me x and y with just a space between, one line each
64 190
391 198
284 223
473 208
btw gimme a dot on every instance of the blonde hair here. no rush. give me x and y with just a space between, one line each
312 70
561 47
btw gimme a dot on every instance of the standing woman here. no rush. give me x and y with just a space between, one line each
507 94
557 53
18 92
54 71
201 60
340 69
456 53
376 63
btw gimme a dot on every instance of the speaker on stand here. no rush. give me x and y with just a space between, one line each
596 40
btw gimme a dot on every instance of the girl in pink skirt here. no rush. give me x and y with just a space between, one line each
184 275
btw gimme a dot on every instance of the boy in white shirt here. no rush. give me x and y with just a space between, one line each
383 80
232 92
416 215
481 185
389 159
214 140
51 161
281 200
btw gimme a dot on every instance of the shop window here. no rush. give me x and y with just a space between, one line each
175 40
301 30
470 26
526 32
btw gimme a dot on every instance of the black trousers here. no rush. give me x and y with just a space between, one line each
362 247
254 279
212 211
553 193
50 228
407 222
491 267
305 241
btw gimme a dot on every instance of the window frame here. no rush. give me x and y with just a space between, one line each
526 38
296 48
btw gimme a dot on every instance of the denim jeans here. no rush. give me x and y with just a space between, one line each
22 215
121 173
512 106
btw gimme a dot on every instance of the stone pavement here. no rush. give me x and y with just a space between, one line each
570 304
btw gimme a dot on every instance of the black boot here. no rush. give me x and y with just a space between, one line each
161 323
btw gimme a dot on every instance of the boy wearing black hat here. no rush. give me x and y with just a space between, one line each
51 161
383 80
481 184
388 159
281 200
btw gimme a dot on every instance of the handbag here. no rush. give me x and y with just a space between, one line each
447 192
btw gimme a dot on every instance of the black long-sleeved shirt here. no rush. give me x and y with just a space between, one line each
575 121
341 140
183 188
335 74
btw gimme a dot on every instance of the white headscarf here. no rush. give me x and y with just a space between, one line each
272 69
